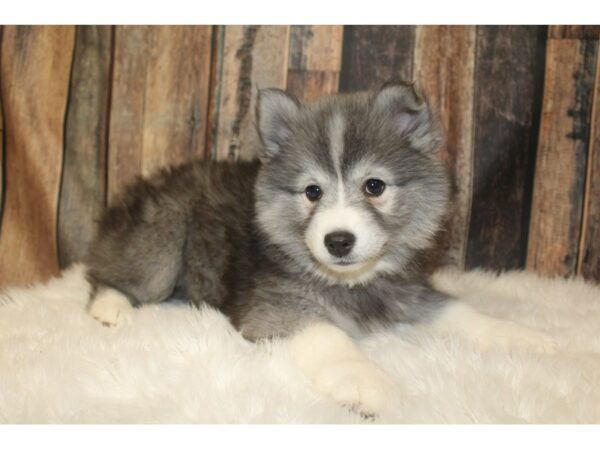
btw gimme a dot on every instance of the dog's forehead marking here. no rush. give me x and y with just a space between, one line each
336 149
336 140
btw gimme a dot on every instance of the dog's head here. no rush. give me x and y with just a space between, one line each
350 186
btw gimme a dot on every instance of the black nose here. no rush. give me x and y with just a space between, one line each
339 243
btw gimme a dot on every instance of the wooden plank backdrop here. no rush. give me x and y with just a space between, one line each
562 156
34 81
84 110
509 60
83 186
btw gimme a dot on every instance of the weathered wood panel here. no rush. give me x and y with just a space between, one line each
251 57
1 160
574 32
35 66
159 99
310 85
589 249
83 187
315 60
444 67
562 154
509 68
1 147
373 55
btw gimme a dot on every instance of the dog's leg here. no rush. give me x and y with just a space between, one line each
457 317
337 368
109 306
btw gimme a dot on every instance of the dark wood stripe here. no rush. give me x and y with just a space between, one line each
252 57
83 187
1 151
34 75
509 69
373 55
562 156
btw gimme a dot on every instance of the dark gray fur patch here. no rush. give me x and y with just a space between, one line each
194 228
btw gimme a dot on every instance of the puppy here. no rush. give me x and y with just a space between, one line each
318 241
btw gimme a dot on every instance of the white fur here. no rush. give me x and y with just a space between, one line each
487 332
110 307
177 365
345 218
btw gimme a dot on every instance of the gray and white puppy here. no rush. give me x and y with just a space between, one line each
318 241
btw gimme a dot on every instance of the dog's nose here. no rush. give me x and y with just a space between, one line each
339 243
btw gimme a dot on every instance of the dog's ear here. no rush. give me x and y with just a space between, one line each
275 112
409 114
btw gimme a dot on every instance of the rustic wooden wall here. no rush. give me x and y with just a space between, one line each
84 110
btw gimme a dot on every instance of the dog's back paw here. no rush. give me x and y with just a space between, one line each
110 307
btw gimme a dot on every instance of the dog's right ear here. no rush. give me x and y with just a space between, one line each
409 114
276 110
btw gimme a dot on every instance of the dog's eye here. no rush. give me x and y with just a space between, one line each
313 192
374 187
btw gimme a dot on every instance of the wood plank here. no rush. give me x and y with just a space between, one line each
310 85
589 247
83 187
315 60
561 160
316 47
250 57
574 32
34 73
444 62
1 150
509 69
375 54
159 99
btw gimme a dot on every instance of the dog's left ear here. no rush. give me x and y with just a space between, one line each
276 111
409 115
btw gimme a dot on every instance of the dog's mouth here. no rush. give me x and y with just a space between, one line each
345 263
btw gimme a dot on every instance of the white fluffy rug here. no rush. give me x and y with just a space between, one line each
174 364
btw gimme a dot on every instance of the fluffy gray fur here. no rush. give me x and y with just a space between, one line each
234 235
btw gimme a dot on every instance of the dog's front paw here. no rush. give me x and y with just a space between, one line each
358 384
110 307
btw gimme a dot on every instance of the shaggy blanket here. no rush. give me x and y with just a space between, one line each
174 364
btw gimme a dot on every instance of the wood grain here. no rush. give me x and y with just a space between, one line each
315 47
310 85
34 73
83 186
589 246
374 54
562 154
159 99
315 59
1 148
444 61
509 69
574 32
251 57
